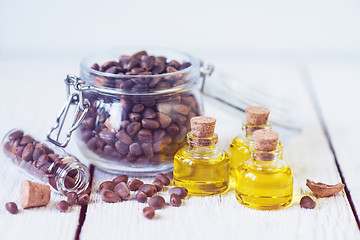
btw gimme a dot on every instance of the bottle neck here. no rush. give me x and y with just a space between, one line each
266 156
69 175
249 129
202 143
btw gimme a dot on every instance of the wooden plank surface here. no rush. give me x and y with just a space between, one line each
337 89
32 100
308 155
36 223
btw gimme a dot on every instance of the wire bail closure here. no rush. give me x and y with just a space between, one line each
75 88
204 72
74 98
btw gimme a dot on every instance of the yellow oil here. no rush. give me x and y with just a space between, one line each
264 185
239 151
201 170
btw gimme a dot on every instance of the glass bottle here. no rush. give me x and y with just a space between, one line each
201 166
64 172
264 182
239 150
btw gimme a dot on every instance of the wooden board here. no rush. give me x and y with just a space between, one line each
337 91
30 101
216 217
38 100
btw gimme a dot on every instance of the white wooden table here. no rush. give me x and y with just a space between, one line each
326 150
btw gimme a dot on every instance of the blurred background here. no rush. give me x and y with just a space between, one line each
264 44
279 28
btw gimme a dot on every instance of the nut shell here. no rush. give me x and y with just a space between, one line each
175 200
307 202
324 190
157 202
181 191
163 178
149 212
11 207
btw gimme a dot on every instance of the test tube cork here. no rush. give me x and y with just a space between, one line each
265 140
257 115
202 127
34 194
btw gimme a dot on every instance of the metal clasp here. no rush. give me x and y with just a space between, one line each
74 98
204 72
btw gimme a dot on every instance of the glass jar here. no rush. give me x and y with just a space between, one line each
134 124
64 172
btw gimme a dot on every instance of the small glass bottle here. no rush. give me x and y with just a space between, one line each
201 166
239 150
264 182
64 172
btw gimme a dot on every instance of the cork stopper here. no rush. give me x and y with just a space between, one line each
257 115
265 140
202 127
250 129
34 194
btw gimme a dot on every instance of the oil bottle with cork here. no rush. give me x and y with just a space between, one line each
239 151
264 182
201 166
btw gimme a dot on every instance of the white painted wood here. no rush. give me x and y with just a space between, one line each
221 217
31 94
36 223
29 104
337 88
